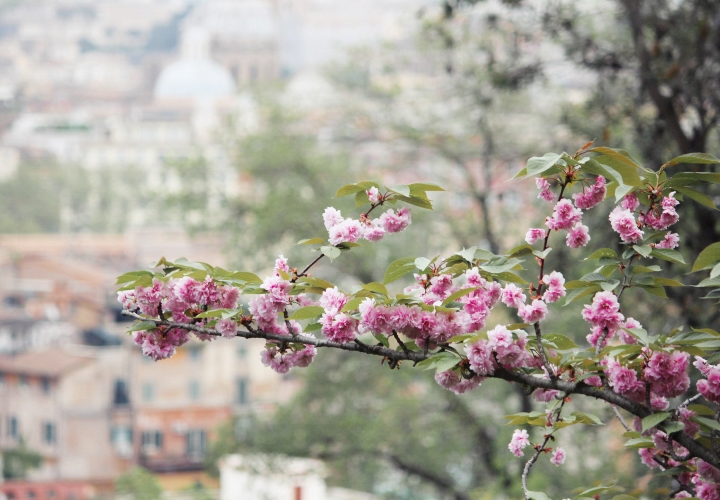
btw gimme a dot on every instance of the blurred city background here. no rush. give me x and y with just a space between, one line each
218 130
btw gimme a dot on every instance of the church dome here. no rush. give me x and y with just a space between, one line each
194 78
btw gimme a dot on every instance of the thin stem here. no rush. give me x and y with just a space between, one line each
543 354
620 417
538 451
302 273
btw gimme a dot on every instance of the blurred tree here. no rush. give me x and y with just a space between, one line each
19 460
138 484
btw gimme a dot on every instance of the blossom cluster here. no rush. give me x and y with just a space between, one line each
568 216
183 299
350 230
658 218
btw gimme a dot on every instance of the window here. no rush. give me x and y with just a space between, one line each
122 439
13 428
31 494
45 385
195 443
194 353
23 381
241 351
194 390
2 379
242 391
120 394
49 433
298 492
148 391
152 440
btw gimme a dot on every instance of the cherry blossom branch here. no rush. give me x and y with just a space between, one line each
540 449
395 356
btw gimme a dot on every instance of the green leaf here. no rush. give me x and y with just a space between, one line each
418 201
132 277
251 278
579 293
311 241
422 263
401 190
653 420
382 339
330 252
421 187
539 164
667 254
348 189
307 312
696 195
352 304
441 362
500 265
603 253
701 409
621 162
142 326
694 158
215 313
708 257
467 254
543 254
658 291
317 282
640 443
667 282
644 250
707 422
671 427
398 269
510 277
561 341
594 491
586 418
460 293
690 178
520 250
376 287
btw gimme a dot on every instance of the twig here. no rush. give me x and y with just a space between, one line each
541 350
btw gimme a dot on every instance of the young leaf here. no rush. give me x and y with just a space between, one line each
311 241
398 269
307 312
667 254
142 326
708 257
539 164
348 189
694 158
653 420
330 252
376 287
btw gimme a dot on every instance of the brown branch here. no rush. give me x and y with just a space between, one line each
602 393
441 483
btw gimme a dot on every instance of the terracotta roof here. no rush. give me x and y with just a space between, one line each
51 363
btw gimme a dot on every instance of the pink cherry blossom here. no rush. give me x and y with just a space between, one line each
672 240
623 222
630 202
555 283
535 234
227 328
604 311
564 216
592 195
544 186
395 222
558 457
373 195
520 439
348 230
629 324
532 313
578 236
513 296
332 217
